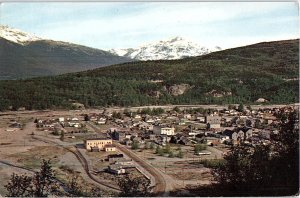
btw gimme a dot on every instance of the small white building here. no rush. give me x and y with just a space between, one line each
200 118
160 130
116 169
137 116
187 116
75 119
214 122
109 148
101 121
61 119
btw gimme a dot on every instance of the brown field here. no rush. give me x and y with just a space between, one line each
19 147
185 168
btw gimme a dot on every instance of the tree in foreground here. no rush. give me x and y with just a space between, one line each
42 184
74 188
19 185
79 190
44 180
134 186
265 170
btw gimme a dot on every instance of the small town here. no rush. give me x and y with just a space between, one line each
173 148
149 99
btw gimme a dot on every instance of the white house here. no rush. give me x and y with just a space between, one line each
101 121
200 118
160 130
187 116
137 116
75 119
214 122
116 169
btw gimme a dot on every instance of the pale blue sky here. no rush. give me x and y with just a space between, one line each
107 25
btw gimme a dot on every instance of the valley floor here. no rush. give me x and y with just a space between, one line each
22 149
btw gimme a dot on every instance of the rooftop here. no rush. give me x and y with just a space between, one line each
98 138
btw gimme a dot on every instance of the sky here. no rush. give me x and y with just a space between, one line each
106 25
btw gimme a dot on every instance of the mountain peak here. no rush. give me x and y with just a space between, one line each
177 38
17 36
168 49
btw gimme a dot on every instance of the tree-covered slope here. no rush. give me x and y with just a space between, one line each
240 75
47 57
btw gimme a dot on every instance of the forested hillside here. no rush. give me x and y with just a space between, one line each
47 57
240 75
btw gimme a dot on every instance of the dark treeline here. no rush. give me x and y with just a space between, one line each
240 75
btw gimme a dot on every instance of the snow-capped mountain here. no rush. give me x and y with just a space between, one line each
17 36
23 55
175 48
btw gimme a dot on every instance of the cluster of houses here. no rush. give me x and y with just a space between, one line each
227 126
214 127
61 125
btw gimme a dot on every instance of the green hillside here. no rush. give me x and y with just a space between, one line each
47 57
240 75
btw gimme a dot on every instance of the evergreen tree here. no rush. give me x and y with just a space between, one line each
263 170
180 153
74 187
240 107
135 145
199 147
176 109
152 146
86 117
19 186
42 184
171 154
159 150
44 181
167 148
134 186
62 136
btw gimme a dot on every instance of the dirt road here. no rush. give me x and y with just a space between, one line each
81 159
160 184
160 187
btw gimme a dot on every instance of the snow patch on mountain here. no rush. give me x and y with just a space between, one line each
16 36
174 48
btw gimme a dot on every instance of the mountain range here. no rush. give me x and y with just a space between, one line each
169 49
23 55
267 71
